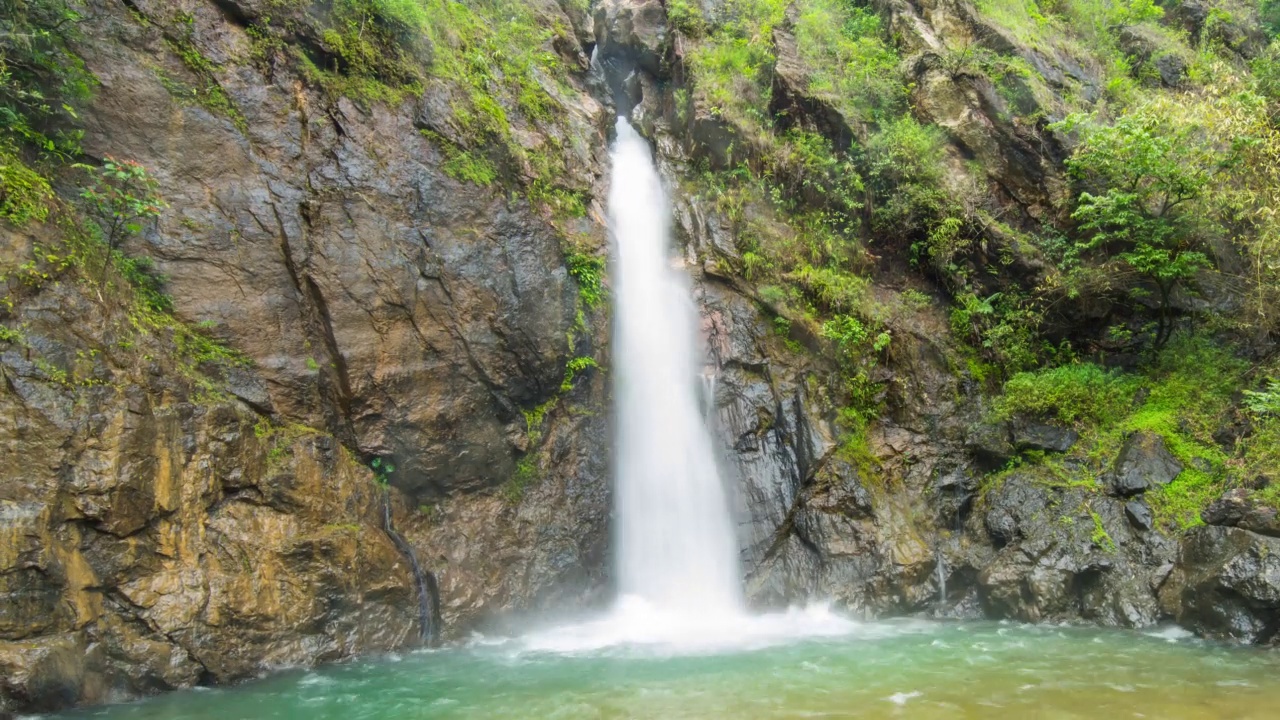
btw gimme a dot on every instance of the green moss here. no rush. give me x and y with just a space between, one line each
207 92
525 475
575 367
25 194
1100 537
1184 396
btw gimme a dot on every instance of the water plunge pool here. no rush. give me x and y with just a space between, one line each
906 669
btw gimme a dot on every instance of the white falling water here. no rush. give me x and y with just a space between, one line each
679 579
676 548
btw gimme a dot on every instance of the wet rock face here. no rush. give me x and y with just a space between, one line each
149 542
154 539
633 32
413 315
1227 584
1068 553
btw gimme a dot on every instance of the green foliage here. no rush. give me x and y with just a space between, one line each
836 290
1269 16
915 299
852 63
1264 402
1072 393
575 367
904 162
1100 537
588 271
1136 11
1136 176
1004 327
686 16
382 470
470 167
858 345
1184 396
731 68
1260 457
147 283
525 475
25 194
42 80
120 196
534 418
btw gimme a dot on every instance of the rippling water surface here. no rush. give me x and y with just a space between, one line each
908 669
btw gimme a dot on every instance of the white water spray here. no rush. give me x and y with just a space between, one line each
679 579
676 548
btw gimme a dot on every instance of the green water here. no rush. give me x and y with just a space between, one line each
898 670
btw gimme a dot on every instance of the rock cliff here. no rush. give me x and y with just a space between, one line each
375 402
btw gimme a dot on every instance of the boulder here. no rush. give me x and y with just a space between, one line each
1068 554
1041 436
990 444
1139 514
1015 504
1226 584
1143 463
1237 509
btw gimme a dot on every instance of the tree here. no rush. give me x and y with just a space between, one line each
120 196
1139 176
41 79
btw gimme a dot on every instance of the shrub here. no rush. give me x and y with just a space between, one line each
41 79
904 162
121 195
1071 393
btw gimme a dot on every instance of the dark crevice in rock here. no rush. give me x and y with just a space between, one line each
233 12
331 345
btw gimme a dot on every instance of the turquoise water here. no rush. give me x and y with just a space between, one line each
913 670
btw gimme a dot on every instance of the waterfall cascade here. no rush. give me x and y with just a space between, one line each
673 530
679 577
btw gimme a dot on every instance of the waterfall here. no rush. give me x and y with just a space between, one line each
674 533
678 574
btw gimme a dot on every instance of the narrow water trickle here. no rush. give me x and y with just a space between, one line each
424 581
676 549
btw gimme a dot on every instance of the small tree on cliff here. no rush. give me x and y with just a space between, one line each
1139 177
121 196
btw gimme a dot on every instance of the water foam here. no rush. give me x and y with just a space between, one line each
642 628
